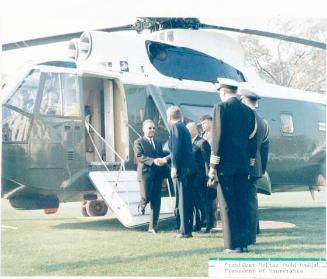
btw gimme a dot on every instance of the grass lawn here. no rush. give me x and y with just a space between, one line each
34 244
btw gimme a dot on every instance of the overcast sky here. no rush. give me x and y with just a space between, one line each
36 18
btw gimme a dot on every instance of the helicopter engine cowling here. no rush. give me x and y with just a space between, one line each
72 50
113 50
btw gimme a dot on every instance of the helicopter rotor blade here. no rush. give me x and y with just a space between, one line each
292 39
161 23
59 38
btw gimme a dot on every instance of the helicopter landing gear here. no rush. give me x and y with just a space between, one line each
94 208
84 213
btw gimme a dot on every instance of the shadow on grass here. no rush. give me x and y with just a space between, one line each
127 259
112 225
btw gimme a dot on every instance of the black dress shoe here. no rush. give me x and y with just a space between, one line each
245 249
153 231
141 209
182 235
236 250
196 229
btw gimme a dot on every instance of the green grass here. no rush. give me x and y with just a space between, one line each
61 244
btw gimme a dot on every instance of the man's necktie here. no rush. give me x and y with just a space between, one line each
152 143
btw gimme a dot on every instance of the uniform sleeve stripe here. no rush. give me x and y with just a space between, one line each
214 159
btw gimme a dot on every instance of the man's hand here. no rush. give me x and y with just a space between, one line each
157 162
173 173
162 161
212 176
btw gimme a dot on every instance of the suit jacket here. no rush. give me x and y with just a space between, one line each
261 157
233 137
146 154
201 152
180 146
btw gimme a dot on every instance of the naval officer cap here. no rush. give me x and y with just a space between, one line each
227 83
249 94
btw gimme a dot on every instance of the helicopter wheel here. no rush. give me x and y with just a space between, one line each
84 212
96 208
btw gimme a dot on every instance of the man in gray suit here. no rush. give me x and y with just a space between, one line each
250 99
150 172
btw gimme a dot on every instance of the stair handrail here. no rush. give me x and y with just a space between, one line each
122 163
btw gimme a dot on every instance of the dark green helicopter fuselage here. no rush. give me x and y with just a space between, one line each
46 156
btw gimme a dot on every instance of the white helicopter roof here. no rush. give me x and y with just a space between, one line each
212 43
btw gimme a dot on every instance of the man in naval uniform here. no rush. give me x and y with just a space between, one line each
150 172
250 99
234 147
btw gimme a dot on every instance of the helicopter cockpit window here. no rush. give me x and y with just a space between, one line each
70 93
25 95
189 64
15 126
51 99
287 126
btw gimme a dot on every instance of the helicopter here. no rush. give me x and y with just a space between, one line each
68 126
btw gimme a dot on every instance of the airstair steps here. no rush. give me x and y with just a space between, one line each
120 191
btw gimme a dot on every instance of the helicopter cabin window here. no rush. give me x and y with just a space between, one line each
51 99
286 121
25 95
186 63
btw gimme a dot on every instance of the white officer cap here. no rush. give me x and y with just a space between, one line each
227 83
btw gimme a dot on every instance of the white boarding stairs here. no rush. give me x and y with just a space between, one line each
120 190
122 195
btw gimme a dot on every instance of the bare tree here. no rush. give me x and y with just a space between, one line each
290 64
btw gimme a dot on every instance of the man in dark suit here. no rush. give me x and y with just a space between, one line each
212 200
150 172
233 151
201 153
250 99
182 168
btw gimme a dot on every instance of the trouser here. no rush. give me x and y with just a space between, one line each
232 195
253 210
211 197
184 203
198 217
150 190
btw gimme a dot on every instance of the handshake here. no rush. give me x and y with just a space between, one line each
160 162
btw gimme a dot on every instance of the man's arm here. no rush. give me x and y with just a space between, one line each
205 152
253 138
216 133
175 147
264 149
139 152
